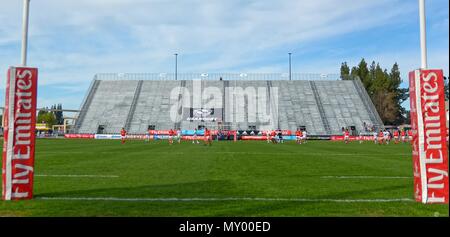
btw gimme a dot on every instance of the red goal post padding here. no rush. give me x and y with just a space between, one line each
428 124
19 133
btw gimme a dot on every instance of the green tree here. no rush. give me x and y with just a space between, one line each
41 115
383 87
47 117
401 94
345 71
59 114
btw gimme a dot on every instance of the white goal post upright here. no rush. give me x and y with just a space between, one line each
25 16
423 35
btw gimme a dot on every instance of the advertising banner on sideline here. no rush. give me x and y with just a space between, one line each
428 123
19 133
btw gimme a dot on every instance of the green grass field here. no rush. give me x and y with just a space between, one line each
246 178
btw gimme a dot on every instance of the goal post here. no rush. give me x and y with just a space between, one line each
429 145
19 133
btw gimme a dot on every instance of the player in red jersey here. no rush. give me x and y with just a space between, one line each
207 137
299 136
123 135
273 134
403 134
171 132
410 135
396 140
210 137
380 137
346 136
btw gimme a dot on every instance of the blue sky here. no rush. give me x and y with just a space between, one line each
71 40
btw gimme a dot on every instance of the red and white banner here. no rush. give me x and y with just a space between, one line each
351 138
81 135
283 132
166 132
19 133
428 124
159 132
254 138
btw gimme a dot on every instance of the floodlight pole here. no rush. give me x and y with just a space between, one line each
26 6
176 66
290 74
423 35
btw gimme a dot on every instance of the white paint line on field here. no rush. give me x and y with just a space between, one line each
224 199
366 177
77 175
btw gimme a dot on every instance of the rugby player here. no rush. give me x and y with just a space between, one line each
410 135
171 133
179 135
396 138
346 136
380 137
304 136
194 140
123 135
403 134
299 136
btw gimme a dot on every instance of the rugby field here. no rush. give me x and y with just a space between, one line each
246 178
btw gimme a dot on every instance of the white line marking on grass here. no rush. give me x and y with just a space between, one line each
77 175
366 177
223 199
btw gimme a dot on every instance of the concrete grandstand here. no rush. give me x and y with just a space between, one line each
321 104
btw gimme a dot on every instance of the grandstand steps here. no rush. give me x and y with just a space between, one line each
323 116
133 105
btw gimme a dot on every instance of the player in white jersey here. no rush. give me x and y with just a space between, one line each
375 137
304 136
268 136
179 135
147 136
194 140
386 136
